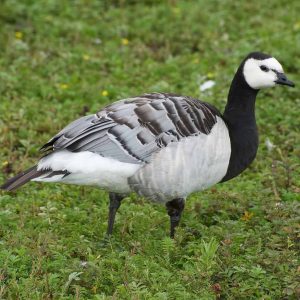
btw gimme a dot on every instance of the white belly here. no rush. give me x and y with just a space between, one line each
193 164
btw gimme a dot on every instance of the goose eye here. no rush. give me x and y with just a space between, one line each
264 68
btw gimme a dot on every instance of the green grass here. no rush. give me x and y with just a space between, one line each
238 240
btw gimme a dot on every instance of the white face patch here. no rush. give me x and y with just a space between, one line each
258 78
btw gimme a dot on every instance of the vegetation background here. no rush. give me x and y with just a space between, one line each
63 59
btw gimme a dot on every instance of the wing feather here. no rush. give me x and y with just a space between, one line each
131 130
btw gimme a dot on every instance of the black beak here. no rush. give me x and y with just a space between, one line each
281 79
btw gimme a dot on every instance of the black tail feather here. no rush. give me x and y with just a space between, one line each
22 178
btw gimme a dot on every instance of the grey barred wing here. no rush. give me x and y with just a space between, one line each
131 130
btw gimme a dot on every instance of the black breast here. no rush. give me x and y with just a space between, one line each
244 145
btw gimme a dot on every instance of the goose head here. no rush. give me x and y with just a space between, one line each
261 71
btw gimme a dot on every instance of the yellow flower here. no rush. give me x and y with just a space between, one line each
297 25
18 35
176 10
86 57
5 163
49 18
104 93
125 42
64 86
247 216
210 75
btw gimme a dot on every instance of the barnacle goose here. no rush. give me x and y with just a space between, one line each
161 146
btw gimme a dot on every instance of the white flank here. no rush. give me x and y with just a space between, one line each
88 168
193 164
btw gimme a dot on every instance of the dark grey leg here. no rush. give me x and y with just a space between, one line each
114 203
175 209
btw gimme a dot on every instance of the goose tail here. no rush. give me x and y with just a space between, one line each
22 178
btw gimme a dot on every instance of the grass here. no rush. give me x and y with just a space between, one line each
60 60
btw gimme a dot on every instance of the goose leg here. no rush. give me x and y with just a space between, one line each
114 203
174 209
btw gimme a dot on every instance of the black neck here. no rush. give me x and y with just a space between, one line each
241 100
239 116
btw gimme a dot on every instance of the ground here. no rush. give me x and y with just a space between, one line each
63 59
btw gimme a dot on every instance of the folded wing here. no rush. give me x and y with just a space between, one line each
131 130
